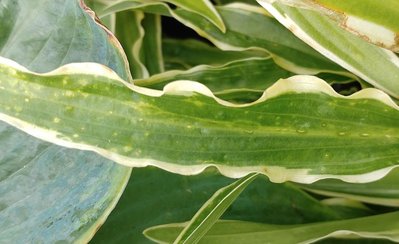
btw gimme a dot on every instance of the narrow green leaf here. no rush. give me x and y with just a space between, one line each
182 196
141 40
212 210
300 130
182 51
252 73
152 44
249 232
349 51
383 192
131 37
244 79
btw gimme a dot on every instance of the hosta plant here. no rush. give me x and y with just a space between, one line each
179 121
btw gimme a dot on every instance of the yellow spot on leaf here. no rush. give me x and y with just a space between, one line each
127 148
18 108
69 94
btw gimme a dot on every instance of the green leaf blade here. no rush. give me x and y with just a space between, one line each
239 74
262 201
239 231
181 51
382 192
106 115
211 211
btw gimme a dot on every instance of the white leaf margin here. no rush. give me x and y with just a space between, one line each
277 174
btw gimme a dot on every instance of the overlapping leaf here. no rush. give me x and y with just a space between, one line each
344 48
152 44
185 128
287 50
182 196
203 8
66 35
181 52
212 210
300 130
50 193
382 192
247 232
253 73
238 80
131 37
374 21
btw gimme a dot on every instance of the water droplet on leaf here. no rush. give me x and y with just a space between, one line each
301 131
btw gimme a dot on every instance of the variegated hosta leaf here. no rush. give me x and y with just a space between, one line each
238 80
374 21
237 76
141 40
55 35
300 130
181 53
375 65
182 196
203 8
383 226
131 37
265 34
152 44
251 73
49 193
383 192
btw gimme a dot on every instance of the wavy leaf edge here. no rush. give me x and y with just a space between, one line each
277 174
282 62
290 24
344 233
